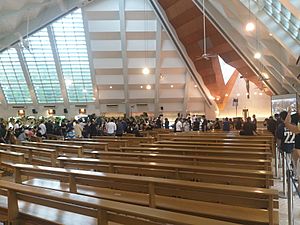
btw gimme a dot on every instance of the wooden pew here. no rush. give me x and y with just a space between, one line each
39 203
161 193
112 143
227 162
7 158
242 177
265 138
249 146
42 156
132 140
198 150
60 149
86 145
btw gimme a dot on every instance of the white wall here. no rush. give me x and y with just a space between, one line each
258 104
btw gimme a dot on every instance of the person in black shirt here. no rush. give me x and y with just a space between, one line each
286 137
248 128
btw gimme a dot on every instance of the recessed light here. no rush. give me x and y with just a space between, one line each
146 71
257 55
110 87
172 86
250 26
195 86
148 87
238 94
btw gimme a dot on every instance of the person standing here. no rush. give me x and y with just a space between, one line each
78 130
254 121
178 126
111 128
167 123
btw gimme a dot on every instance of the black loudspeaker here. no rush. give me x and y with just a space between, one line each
161 108
34 111
65 110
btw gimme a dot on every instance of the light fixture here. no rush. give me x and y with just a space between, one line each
146 70
82 111
141 86
218 98
260 93
110 87
255 93
226 95
148 87
257 55
250 26
195 86
265 75
247 93
51 112
21 112
270 34
172 86
238 94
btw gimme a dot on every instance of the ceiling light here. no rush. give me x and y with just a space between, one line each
172 86
238 94
255 93
247 94
217 98
195 86
110 87
226 95
265 75
270 34
260 93
250 27
146 71
148 87
257 55
141 86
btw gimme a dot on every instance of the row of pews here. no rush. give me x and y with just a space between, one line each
174 178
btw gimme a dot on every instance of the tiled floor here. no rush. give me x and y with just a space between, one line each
283 209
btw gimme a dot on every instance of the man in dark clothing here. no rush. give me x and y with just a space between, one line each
286 137
196 125
271 125
248 128
226 125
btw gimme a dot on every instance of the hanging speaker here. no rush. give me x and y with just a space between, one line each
65 110
161 108
34 111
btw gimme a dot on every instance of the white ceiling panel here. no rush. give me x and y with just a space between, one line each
141 45
106 45
104 26
108 63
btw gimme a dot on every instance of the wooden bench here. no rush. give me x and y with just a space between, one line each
209 136
228 162
242 177
61 149
39 203
33 154
197 150
215 200
8 157
86 145
132 140
247 145
112 143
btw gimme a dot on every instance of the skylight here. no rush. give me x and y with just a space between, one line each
41 67
12 79
227 70
71 46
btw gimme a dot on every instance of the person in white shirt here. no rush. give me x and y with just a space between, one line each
78 130
178 126
186 125
111 128
42 129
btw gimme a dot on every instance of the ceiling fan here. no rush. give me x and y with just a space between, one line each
205 55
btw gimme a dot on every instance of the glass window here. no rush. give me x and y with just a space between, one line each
71 46
283 16
12 79
41 67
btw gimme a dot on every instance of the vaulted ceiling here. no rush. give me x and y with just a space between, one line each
118 33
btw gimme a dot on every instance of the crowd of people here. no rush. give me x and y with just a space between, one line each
92 125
